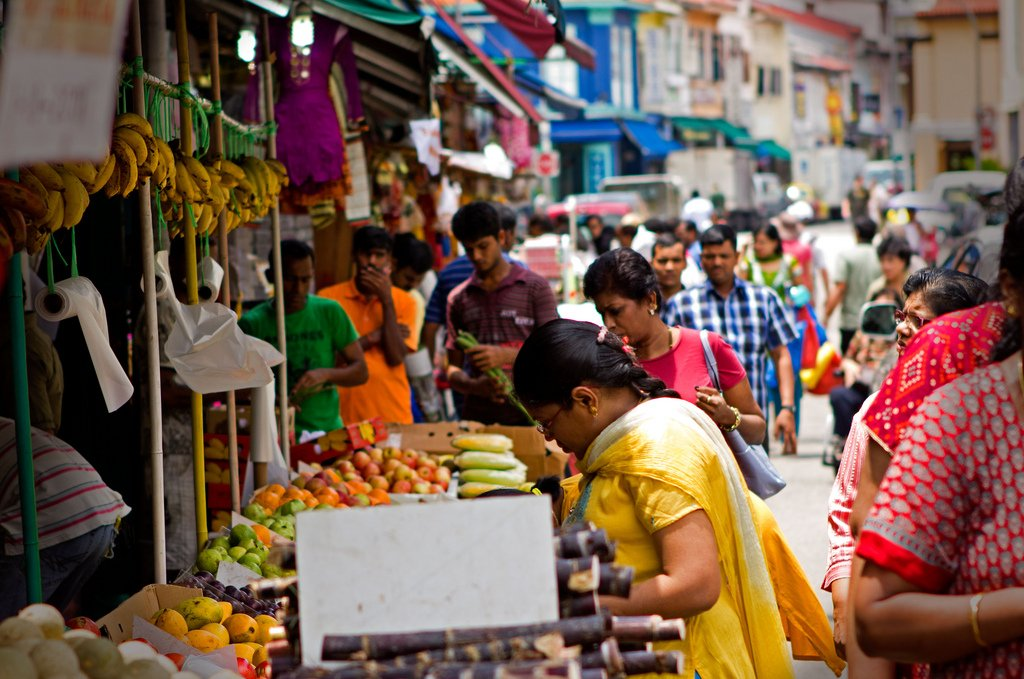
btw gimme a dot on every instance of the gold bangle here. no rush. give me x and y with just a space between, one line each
735 425
975 627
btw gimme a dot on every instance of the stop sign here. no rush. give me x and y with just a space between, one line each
548 163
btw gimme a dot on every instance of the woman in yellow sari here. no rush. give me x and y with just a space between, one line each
660 479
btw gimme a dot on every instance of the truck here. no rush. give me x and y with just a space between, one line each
728 171
662 194
829 171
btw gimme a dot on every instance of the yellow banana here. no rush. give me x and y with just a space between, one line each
103 173
128 164
204 220
135 140
48 176
200 176
152 158
86 172
115 182
278 168
76 198
229 168
186 185
57 219
135 122
32 182
52 198
166 160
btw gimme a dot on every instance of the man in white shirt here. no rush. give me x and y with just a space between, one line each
700 211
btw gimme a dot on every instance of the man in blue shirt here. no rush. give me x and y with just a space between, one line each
751 318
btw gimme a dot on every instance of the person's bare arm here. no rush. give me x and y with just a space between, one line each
785 421
349 371
690 582
872 471
835 298
752 423
462 382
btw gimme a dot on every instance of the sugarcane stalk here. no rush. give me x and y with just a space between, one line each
578 575
647 628
465 341
614 580
592 629
578 605
580 544
544 646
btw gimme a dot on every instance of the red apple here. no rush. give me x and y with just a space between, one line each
436 488
246 669
379 482
425 473
377 455
411 455
351 476
404 473
315 484
143 641
443 475
263 669
346 466
391 453
82 622
177 658
349 501
362 500
372 469
421 488
391 465
361 459
401 486
427 461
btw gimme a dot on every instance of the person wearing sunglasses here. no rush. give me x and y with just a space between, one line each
929 293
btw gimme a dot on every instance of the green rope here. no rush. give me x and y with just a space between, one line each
74 256
192 218
202 124
51 286
206 244
216 108
161 223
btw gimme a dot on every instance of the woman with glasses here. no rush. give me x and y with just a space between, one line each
658 476
929 293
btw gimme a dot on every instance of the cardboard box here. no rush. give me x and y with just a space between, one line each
540 458
144 603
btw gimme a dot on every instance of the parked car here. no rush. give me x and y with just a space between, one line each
610 206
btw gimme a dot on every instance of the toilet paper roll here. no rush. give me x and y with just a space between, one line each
162 274
212 275
79 297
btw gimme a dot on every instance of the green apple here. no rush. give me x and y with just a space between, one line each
222 542
252 562
241 533
254 511
236 553
208 560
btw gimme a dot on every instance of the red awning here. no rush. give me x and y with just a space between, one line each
534 30
486 62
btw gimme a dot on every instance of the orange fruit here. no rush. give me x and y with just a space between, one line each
276 488
268 500
311 502
379 496
292 493
263 533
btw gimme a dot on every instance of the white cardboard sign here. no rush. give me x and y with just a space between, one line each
58 79
421 567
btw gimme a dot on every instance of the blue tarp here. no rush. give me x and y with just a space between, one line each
648 139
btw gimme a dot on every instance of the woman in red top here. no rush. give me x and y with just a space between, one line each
944 543
625 291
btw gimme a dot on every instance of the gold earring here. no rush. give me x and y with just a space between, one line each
593 410
1011 309
650 312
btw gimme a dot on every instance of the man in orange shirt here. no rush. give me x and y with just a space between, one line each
384 316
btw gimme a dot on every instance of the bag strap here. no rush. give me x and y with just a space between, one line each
709 360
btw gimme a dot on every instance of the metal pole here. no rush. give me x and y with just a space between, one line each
191 281
23 431
151 331
217 152
275 229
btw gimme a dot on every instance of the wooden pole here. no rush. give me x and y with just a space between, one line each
275 229
152 333
191 280
217 153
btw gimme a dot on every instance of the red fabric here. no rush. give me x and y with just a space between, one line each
529 24
684 368
803 254
809 352
948 347
948 517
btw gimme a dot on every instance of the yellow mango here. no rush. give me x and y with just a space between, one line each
244 651
202 641
220 631
199 611
242 628
265 622
170 621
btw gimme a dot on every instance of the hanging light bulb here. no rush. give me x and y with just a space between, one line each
302 25
247 43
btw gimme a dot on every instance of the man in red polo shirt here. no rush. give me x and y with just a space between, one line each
500 304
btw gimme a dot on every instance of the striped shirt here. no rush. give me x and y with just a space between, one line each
752 319
71 498
454 272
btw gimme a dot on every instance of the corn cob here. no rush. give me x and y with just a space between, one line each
479 460
466 340
511 478
487 443
471 490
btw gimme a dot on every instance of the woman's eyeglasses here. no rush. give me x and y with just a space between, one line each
911 319
545 427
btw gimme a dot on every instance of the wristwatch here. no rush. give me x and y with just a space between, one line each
791 409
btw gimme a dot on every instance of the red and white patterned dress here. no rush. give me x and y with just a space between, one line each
949 516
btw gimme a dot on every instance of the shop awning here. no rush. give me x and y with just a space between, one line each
556 98
772 149
533 28
584 131
487 65
822 62
734 133
647 138
450 51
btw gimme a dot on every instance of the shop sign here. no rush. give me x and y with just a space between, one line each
58 79
547 163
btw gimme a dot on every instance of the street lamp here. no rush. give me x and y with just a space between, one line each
246 45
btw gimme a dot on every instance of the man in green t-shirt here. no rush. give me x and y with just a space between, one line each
322 344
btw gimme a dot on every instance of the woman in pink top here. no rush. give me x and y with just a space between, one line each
625 291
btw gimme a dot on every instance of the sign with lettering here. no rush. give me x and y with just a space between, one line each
58 79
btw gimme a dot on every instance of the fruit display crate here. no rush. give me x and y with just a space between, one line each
218 493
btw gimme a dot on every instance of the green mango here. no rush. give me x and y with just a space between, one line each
254 511
236 553
208 560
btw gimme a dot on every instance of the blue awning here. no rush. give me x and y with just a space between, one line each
647 138
584 131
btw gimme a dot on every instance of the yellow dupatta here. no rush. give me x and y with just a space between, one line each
639 443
